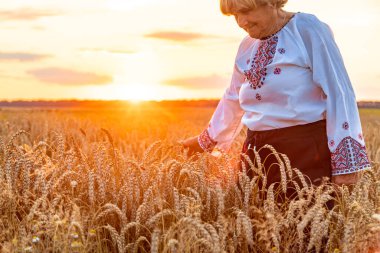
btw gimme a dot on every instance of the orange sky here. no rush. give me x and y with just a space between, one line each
154 49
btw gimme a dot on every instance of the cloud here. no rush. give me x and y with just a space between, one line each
23 57
39 28
12 77
5 75
203 82
69 77
178 36
27 14
111 51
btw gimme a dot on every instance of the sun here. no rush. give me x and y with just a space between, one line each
135 93
135 101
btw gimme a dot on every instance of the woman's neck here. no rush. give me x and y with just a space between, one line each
280 19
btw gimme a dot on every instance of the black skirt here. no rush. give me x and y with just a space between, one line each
306 146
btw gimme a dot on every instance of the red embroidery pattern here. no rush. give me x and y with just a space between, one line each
349 157
264 56
360 136
206 142
277 71
345 125
258 97
281 50
248 61
332 143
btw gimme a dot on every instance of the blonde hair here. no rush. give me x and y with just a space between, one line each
228 7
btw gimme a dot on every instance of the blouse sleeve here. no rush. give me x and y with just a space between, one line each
344 131
225 124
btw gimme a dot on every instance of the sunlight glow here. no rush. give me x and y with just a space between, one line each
134 92
121 5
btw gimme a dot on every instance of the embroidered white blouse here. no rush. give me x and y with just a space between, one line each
294 77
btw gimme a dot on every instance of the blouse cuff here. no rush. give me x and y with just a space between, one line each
206 142
349 157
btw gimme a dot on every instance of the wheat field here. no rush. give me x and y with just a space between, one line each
116 180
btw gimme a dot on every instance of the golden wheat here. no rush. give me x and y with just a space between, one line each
109 181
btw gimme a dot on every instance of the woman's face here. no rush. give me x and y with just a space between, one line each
259 22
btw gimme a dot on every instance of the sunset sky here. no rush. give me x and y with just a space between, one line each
154 49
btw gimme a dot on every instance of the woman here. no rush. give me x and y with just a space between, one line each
291 89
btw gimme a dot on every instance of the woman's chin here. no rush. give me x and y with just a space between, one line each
254 34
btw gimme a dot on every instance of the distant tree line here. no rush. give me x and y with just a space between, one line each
121 104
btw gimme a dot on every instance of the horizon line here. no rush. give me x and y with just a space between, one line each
127 100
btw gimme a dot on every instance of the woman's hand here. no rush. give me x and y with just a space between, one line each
192 145
346 179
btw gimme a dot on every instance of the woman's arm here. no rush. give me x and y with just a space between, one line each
225 122
344 131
